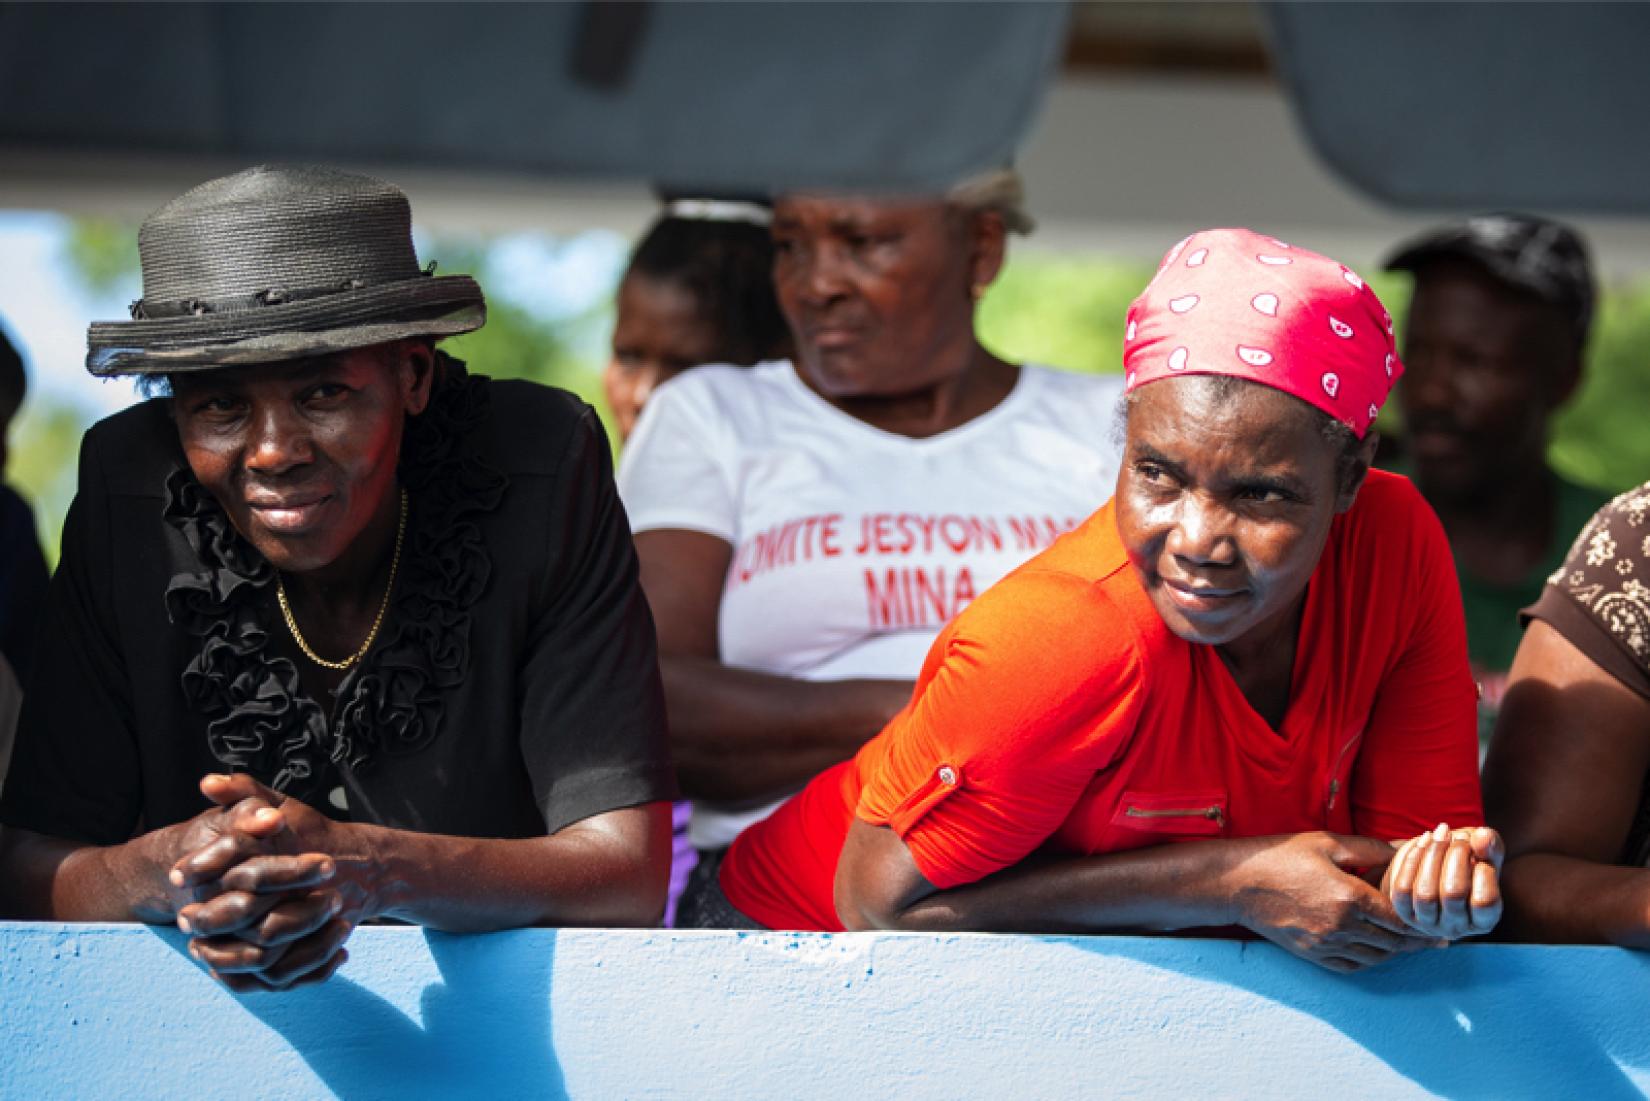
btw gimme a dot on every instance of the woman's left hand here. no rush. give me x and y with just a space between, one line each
300 832
1446 883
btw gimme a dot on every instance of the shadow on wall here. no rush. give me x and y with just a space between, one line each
1451 1021
482 1031
94 1011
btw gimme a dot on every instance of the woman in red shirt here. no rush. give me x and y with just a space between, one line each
1210 705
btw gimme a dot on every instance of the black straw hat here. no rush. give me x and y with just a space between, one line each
278 263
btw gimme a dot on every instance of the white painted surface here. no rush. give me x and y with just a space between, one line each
1131 165
106 1011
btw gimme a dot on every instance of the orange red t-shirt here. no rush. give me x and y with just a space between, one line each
1058 713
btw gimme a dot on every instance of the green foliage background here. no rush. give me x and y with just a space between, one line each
515 343
1066 311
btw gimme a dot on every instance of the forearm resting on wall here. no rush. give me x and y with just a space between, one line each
48 879
1557 899
1160 889
609 870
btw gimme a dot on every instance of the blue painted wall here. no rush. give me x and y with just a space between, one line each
91 1011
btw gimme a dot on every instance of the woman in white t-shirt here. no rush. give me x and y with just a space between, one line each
806 528
698 289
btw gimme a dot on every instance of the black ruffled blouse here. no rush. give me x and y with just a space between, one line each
513 690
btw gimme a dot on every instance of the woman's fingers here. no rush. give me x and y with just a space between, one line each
247 968
264 874
1486 897
1426 880
1369 933
254 983
250 825
225 788
227 913
295 919
1488 846
1367 945
1399 943
1362 954
1455 886
1400 884
233 956
322 973
305 957
261 945
264 825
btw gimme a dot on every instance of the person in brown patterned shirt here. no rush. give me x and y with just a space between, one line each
1566 778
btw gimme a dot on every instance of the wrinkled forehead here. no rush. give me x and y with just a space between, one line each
826 208
1196 414
245 376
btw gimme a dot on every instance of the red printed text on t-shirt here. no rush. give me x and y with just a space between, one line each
898 593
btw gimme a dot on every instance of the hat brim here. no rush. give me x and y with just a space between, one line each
1435 246
1416 256
1458 246
428 306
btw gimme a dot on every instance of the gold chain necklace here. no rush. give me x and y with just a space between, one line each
378 620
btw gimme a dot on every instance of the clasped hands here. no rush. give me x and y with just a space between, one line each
259 890
1446 883
1316 896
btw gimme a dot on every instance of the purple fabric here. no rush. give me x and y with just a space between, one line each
682 859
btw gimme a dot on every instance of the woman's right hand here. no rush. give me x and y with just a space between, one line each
1306 894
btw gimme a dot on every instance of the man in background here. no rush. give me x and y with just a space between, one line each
23 574
1492 348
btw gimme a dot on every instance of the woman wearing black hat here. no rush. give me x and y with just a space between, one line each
380 613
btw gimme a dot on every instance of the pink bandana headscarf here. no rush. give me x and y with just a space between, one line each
1233 302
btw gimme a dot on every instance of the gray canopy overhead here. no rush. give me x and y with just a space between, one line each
1432 105
1534 105
890 95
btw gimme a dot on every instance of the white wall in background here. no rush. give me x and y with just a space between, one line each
1132 165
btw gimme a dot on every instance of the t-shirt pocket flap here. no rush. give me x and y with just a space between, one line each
1200 812
942 780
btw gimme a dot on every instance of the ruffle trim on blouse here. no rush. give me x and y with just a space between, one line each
259 719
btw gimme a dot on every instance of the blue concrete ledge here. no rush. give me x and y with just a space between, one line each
93 1011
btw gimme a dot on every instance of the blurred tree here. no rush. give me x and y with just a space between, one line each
103 255
515 342
45 444
1061 311
1600 437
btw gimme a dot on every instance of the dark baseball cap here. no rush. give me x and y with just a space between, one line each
1539 255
